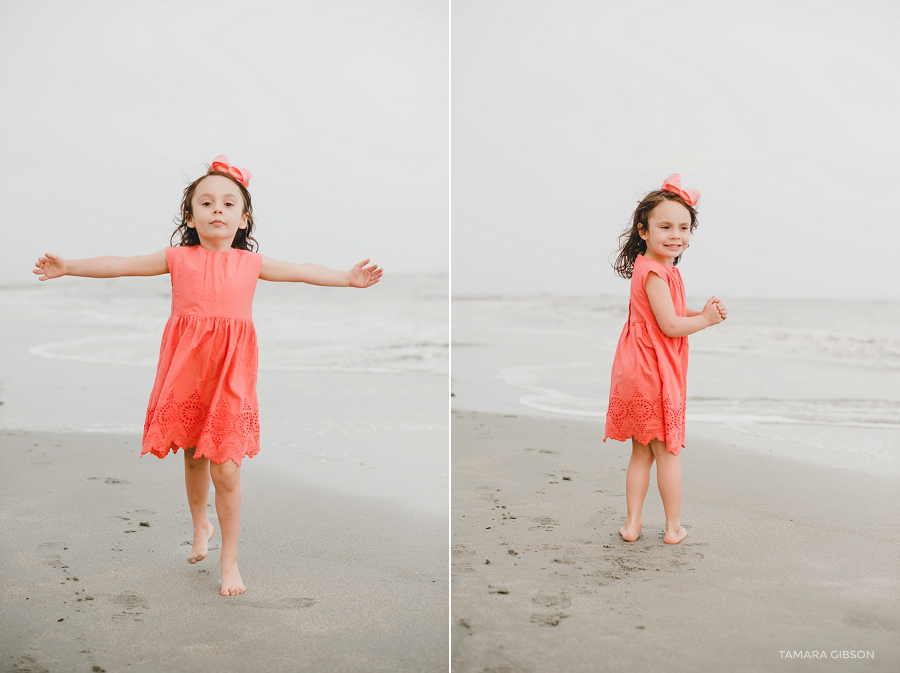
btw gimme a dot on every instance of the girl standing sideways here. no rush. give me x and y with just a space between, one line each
647 391
204 396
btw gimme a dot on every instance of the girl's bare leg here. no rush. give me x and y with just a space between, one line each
668 477
227 480
196 480
637 480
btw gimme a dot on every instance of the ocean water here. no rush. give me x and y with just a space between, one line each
352 385
812 379
399 331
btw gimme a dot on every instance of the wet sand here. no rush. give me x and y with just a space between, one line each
94 576
781 556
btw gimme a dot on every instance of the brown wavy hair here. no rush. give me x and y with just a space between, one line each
630 242
243 240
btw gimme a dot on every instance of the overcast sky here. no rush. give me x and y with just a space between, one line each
564 114
339 108
783 114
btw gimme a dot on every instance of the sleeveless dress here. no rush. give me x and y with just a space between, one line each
204 395
649 376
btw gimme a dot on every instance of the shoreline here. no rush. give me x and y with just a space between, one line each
780 556
787 379
334 581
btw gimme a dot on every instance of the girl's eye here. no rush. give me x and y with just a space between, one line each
228 204
205 203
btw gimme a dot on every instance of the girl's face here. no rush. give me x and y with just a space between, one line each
668 232
218 212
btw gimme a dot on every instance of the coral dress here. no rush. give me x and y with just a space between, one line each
205 390
649 375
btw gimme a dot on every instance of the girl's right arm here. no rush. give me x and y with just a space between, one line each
673 325
53 266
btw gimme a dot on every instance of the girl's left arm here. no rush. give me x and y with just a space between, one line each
671 324
288 272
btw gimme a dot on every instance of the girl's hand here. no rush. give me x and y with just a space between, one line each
722 310
51 266
711 312
362 276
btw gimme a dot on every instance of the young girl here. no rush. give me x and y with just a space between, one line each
647 392
204 397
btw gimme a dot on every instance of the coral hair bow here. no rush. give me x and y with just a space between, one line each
220 163
673 184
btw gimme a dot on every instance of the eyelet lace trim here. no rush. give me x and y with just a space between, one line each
645 419
220 434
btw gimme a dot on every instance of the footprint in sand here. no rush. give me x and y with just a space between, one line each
130 600
134 605
558 601
548 620
461 550
544 522
459 565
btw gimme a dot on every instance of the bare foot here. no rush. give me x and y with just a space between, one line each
676 537
231 580
630 533
200 548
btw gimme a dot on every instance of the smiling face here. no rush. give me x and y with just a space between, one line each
668 232
217 212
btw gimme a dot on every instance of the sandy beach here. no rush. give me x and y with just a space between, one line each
781 557
93 549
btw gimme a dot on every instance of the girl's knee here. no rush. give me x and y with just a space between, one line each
226 475
664 456
659 450
642 455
